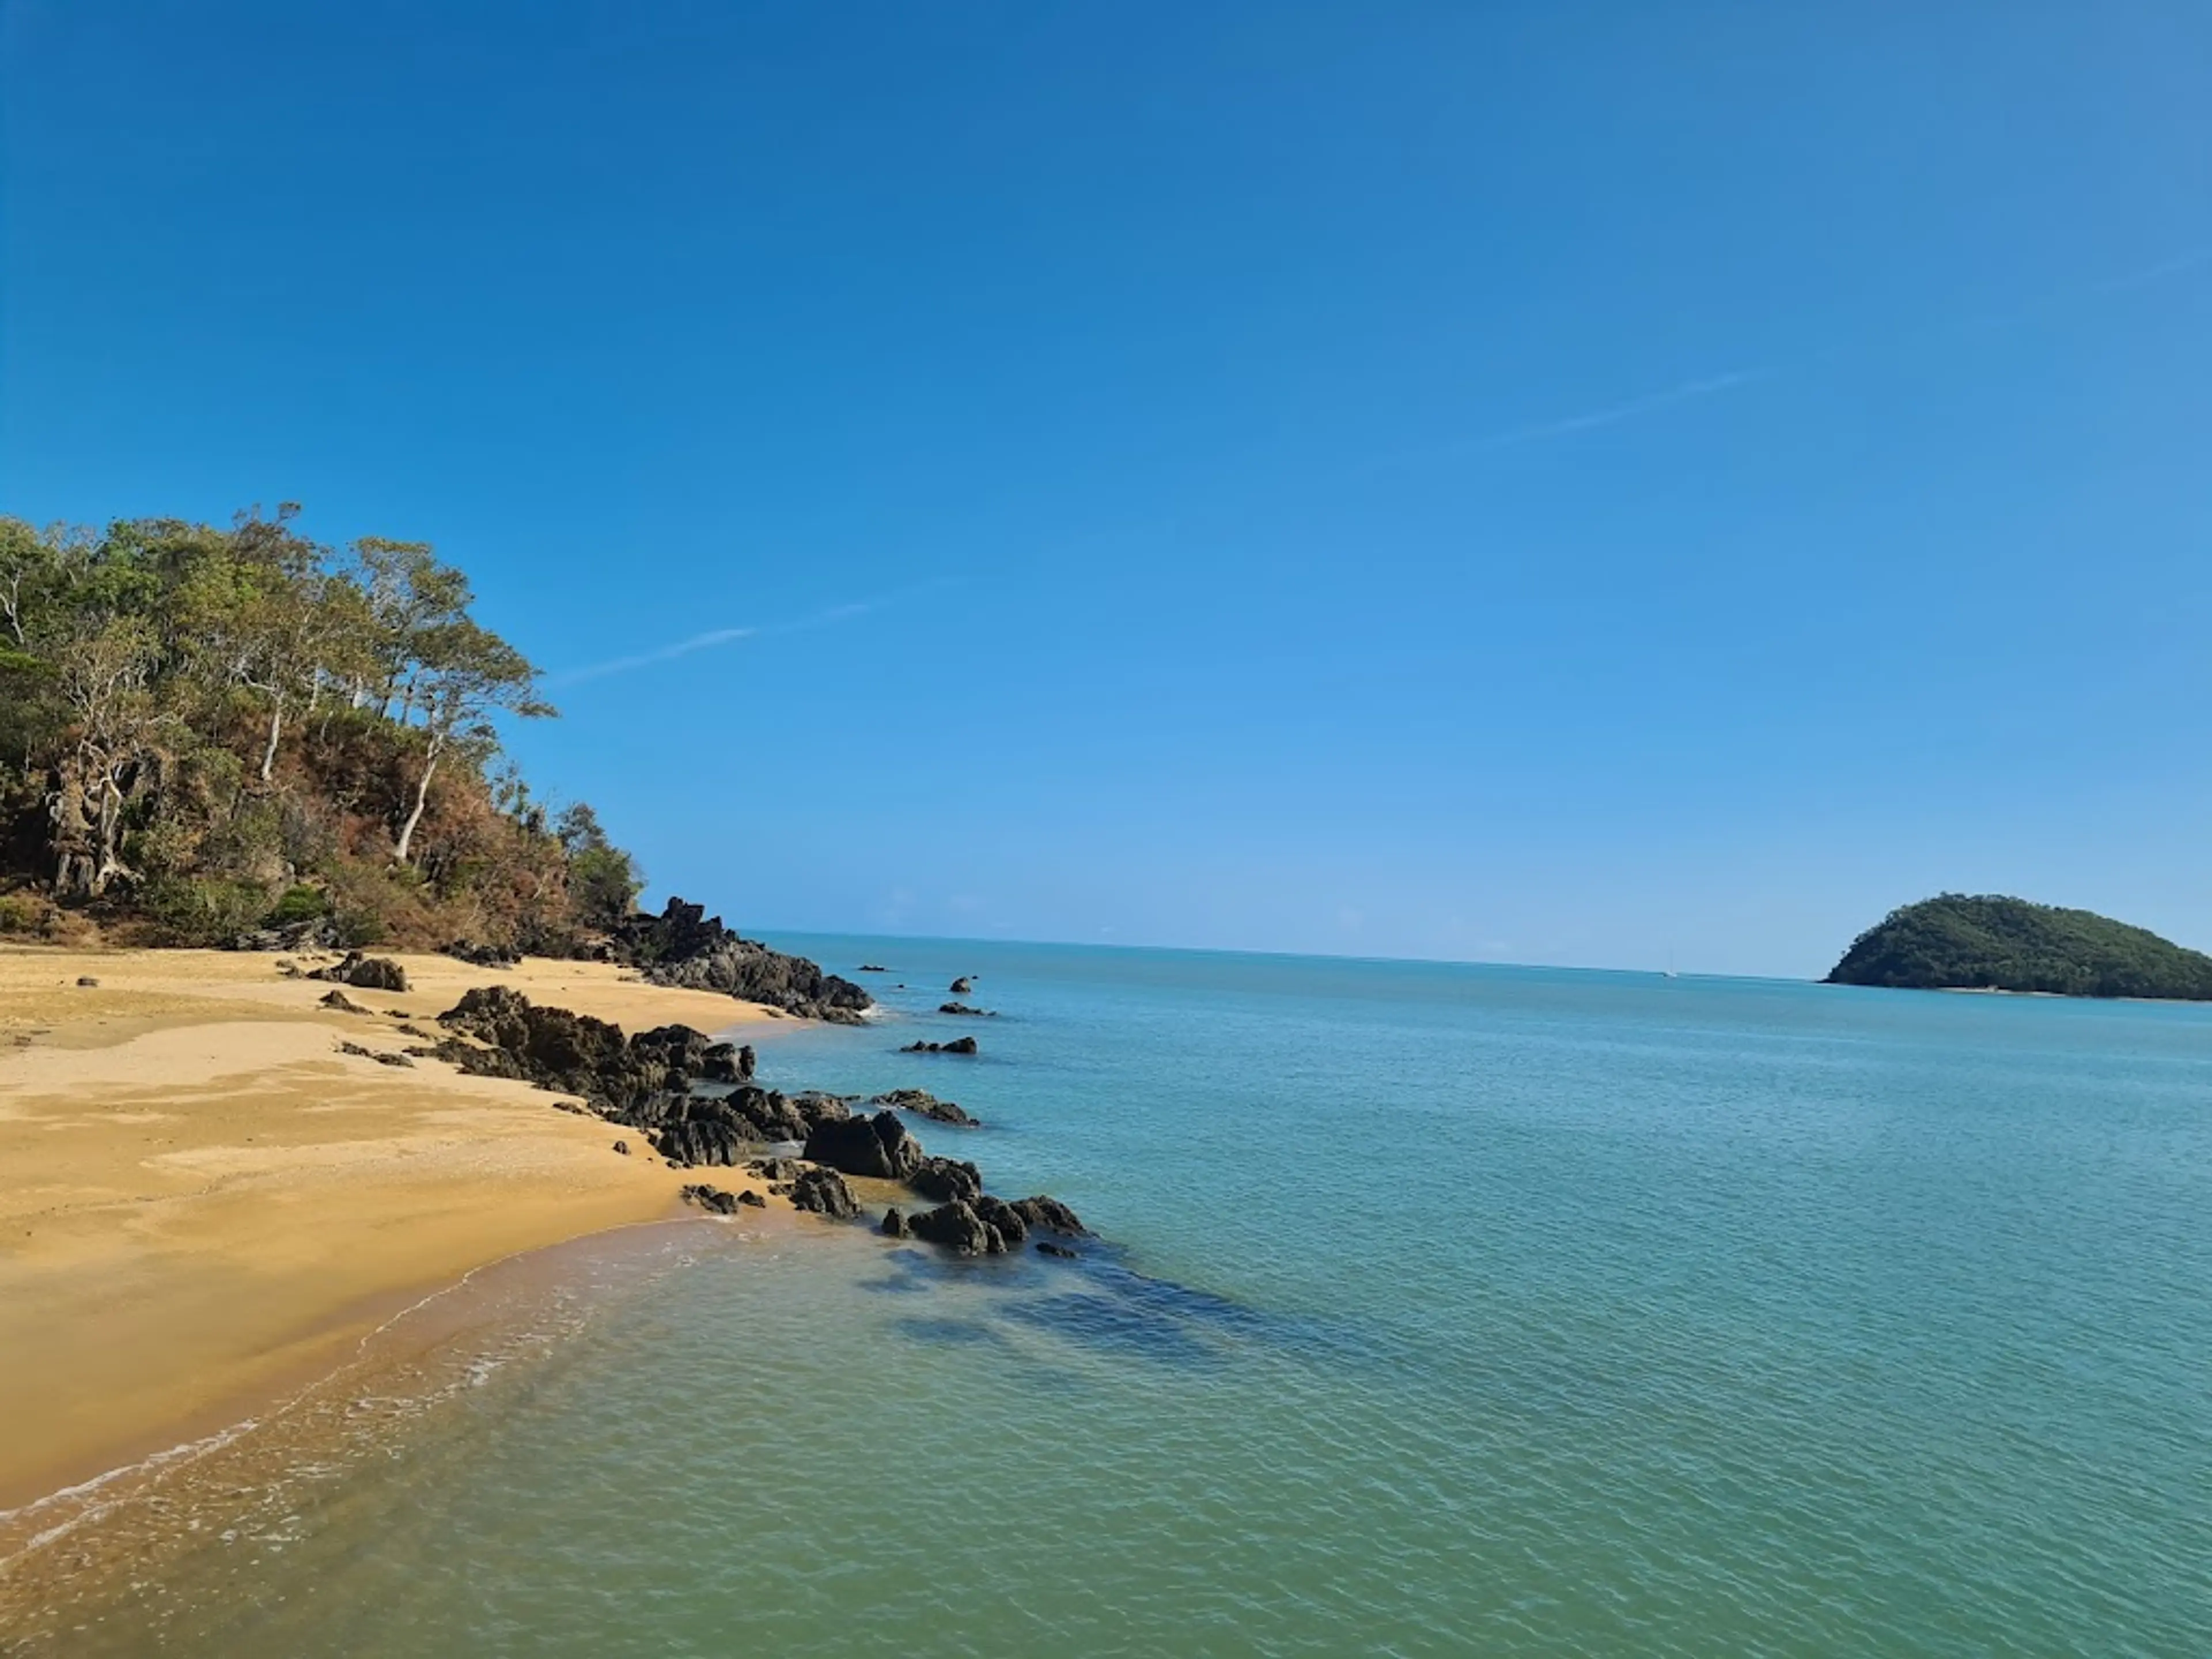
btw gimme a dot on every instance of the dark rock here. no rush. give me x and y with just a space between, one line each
343 1003
411 1030
824 1192
775 1168
712 1199
958 1046
483 955
962 987
1046 1247
383 1058
958 1228
752 1199
365 973
922 1104
1049 1215
894 1224
962 1008
725 1062
1002 1218
357 1050
684 946
88 982
947 1181
873 967
622 1146
879 1146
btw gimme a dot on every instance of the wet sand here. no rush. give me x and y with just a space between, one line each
205 1204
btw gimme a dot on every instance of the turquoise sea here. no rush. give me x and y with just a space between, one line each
1448 1310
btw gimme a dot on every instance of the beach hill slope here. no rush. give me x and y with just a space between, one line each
1955 942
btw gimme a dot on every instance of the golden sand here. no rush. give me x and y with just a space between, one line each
203 1203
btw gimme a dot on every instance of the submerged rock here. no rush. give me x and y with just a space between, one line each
922 1104
962 1008
958 1046
1046 1247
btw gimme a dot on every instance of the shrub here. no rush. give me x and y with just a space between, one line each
300 903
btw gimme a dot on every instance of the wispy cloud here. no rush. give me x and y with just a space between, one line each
2182 264
706 642
714 638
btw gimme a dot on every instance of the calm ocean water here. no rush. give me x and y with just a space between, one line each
1454 1310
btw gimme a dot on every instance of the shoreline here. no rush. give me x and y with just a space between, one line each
206 1208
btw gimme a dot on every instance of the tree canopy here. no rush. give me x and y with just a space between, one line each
207 731
1989 943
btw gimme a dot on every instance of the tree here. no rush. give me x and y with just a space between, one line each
603 881
461 674
104 676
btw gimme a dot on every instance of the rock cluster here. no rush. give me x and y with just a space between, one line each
958 1046
684 946
646 1082
962 1008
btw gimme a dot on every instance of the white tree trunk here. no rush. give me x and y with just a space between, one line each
421 799
276 729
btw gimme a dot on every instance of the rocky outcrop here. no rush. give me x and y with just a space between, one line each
337 999
643 1081
946 1180
877 1147
725 1062
1046 1247
684 946
873 967
824 1192
958 1229
894 1224
922 1104
962 987
364 972
958 1046
1049 1215
962 1008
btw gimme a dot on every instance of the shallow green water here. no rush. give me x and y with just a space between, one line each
1455 1310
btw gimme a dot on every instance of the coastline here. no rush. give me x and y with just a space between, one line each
205 1206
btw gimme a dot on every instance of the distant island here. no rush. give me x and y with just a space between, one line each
1988 943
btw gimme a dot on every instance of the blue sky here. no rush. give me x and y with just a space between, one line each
1548 483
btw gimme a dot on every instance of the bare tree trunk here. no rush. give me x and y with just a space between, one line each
421 799
276 729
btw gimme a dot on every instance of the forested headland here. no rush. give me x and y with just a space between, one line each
1954 942
215 735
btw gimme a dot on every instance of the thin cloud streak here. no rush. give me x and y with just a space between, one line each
2182 264
706 642
717 637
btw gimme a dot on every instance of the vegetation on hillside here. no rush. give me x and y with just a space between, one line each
2010 945
209 734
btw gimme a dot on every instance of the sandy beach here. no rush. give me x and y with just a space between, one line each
203 1203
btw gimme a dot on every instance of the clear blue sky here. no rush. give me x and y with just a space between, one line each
1561 483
